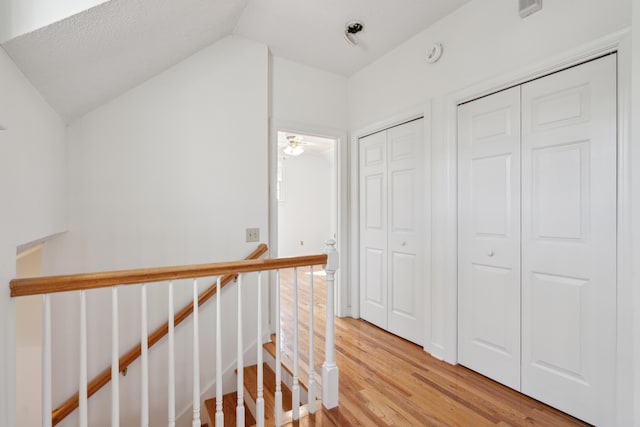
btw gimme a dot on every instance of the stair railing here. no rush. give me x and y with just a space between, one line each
82 283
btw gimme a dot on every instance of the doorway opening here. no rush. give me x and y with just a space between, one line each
308 200
306 193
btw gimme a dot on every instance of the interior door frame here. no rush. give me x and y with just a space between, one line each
421 111
619 42
341 161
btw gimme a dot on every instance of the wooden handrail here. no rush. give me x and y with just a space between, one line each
78 282
105 376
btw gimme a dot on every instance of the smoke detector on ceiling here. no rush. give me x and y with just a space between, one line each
527 7
350 30
434 53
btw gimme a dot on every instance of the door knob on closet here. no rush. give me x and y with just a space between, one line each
490 253
404 243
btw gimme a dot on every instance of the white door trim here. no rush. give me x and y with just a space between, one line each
354 208
277 124
617 42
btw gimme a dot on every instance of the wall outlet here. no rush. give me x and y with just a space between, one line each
253 234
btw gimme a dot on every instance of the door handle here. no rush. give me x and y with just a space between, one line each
490 253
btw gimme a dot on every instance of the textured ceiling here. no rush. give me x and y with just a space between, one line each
85 60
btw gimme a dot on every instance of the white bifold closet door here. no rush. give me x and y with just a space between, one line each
569 240
392 233
489 236
537 168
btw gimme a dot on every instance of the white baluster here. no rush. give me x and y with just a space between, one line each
295 389
329 367
46 361
312 381
240 365
260 397
82 391
115 360
278 393
172 365
219 413
144 358
196 358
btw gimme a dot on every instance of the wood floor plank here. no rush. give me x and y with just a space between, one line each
229 402
385 380
269 389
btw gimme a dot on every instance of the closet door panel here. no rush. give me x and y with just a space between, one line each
406 234
373 229
489 239
569 240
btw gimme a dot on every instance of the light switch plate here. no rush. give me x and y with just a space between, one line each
253 234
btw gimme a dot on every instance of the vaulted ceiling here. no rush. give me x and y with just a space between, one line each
83 61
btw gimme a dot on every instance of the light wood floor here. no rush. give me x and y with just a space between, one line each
387 381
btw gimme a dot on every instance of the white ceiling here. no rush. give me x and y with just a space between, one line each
312 31
85 60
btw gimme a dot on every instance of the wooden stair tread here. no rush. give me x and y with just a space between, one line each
287 364
269 391
229 402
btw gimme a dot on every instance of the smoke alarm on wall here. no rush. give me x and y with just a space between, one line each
527 7
434 53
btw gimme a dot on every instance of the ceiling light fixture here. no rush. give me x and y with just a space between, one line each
351 29
295 146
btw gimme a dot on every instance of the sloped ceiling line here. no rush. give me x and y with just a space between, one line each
83 61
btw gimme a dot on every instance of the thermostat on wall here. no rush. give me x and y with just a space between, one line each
434 53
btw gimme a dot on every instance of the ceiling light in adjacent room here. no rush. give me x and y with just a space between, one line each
295 146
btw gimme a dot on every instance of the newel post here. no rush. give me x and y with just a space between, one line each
329 367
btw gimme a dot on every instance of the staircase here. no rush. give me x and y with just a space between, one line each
229 400
285 384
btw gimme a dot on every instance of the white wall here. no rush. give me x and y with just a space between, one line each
310 101
32 190
306 213
169 173
24 16
482 40
308 96
635 152
29 343
5 21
